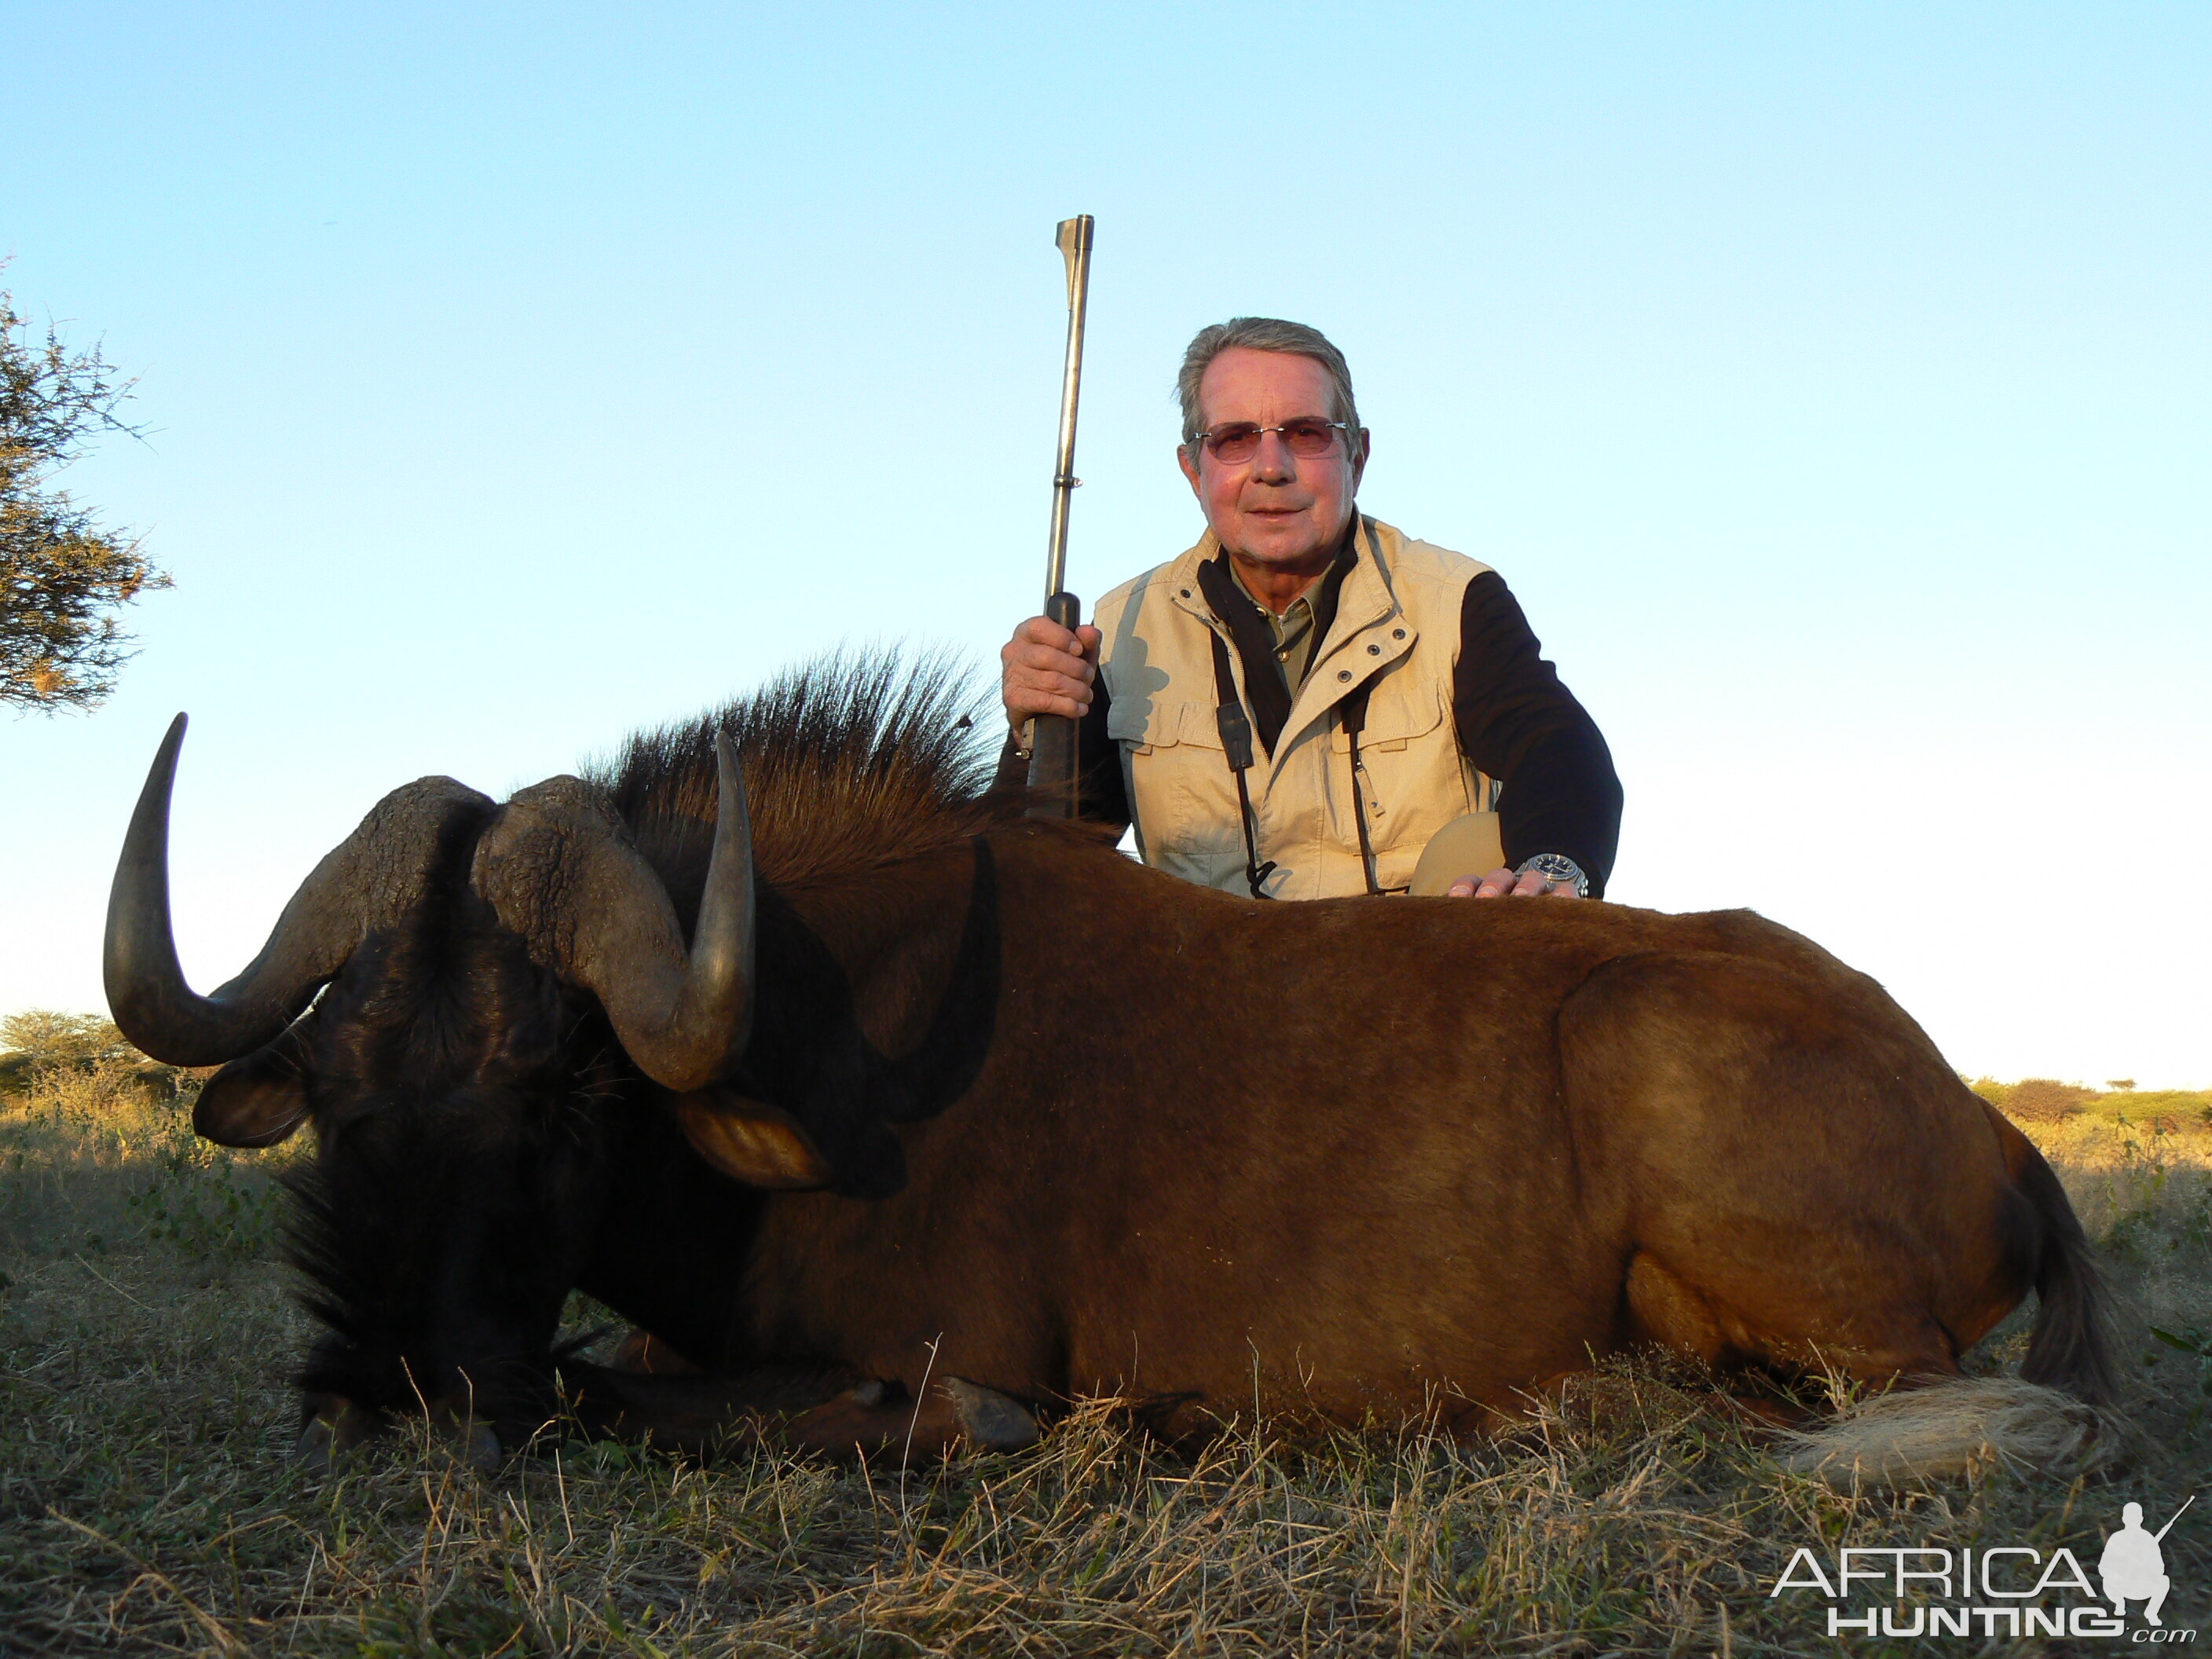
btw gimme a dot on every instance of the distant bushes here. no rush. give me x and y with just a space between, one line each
2045 1100
40 1040
2036 1099
97 1153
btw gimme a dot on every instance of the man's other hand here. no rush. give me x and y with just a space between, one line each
1504 884
1047 671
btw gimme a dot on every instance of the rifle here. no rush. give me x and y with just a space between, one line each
2158 1537
1052 759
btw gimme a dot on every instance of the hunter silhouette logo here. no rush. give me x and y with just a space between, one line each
2133 1566
1997 1590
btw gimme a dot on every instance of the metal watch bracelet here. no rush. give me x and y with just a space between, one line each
1560 869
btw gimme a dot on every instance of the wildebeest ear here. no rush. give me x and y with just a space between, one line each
256 1101
751 1141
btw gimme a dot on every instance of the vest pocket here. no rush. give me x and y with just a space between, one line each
1144 726
1413 772
1180 786
1400 711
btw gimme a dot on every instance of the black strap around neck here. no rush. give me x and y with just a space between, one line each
1354 715
1236 743
1239 612
1265 683
1353 711
1220 585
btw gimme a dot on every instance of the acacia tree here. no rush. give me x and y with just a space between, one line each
62 573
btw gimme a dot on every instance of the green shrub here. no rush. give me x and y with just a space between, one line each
198 1197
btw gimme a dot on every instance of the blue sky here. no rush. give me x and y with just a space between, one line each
1833 385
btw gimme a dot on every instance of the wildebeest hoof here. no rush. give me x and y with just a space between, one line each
481 1451
991 1420
472 1440
336 1427
317 1445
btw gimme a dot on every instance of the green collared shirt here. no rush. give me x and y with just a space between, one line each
1295 638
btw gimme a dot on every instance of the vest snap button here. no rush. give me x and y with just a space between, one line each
1397 633
1344 673
1374 650
1186 592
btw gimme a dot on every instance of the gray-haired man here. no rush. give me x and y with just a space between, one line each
1394 690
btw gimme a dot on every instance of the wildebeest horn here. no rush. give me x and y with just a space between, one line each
559 867
371 877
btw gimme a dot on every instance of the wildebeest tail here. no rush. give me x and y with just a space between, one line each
2070 1345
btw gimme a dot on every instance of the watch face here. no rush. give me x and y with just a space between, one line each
1557 867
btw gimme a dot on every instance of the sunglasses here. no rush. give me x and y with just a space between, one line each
1308 438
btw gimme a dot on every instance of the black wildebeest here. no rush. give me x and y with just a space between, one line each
885 1082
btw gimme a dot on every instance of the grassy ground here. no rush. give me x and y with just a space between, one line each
148 1503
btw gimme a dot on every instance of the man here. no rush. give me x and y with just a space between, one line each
2133 1567
1393 689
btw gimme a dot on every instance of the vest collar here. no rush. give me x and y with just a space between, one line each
1356 556
1266 694
1370 632
1366 600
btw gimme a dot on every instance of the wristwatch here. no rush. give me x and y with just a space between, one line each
1557 869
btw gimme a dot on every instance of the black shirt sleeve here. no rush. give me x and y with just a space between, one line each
1518 724
1104 796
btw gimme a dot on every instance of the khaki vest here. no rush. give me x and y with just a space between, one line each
1397 628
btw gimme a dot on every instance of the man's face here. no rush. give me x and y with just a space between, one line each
1275 509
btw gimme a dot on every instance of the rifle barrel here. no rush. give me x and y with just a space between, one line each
1053 760
2178 1514
1074 237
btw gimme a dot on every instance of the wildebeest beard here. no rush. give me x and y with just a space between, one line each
457 1093
509 1152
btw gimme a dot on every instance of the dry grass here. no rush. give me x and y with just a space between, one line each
148 1503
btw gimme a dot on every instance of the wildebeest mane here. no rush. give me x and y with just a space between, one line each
851 762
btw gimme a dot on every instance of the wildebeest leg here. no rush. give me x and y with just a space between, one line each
831 1409
872 1420
1666 1309
1799 1182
